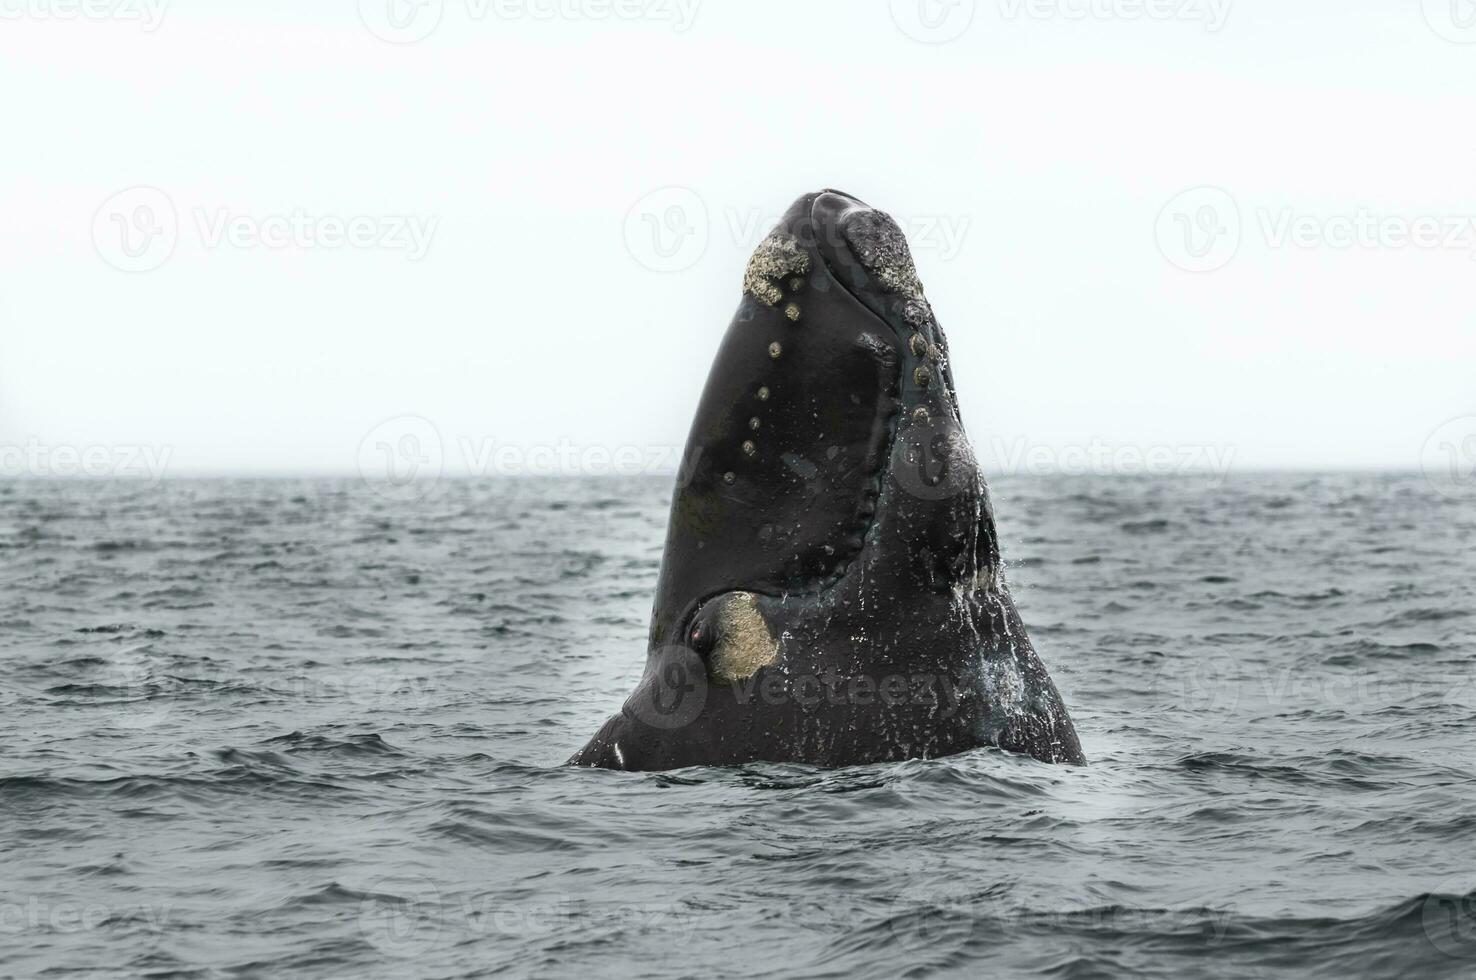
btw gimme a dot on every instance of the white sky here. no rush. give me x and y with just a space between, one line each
1031 157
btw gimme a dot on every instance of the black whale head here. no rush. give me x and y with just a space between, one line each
831 591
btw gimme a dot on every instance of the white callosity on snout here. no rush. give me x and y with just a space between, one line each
882 248
779 256
744 641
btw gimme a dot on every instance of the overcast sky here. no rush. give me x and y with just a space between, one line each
278 236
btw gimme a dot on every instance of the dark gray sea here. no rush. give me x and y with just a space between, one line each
299 729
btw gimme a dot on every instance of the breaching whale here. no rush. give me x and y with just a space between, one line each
831 591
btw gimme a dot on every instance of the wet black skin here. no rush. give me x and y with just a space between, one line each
860 523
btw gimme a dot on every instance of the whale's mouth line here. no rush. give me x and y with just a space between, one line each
903 334
872 481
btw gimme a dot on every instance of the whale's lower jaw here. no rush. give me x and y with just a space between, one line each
830 591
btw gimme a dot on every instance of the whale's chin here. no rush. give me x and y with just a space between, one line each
831 590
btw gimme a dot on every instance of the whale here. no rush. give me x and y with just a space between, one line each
832 591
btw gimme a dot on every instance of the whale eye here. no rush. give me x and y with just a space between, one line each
702 637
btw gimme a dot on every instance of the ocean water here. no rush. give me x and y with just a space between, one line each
298 729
